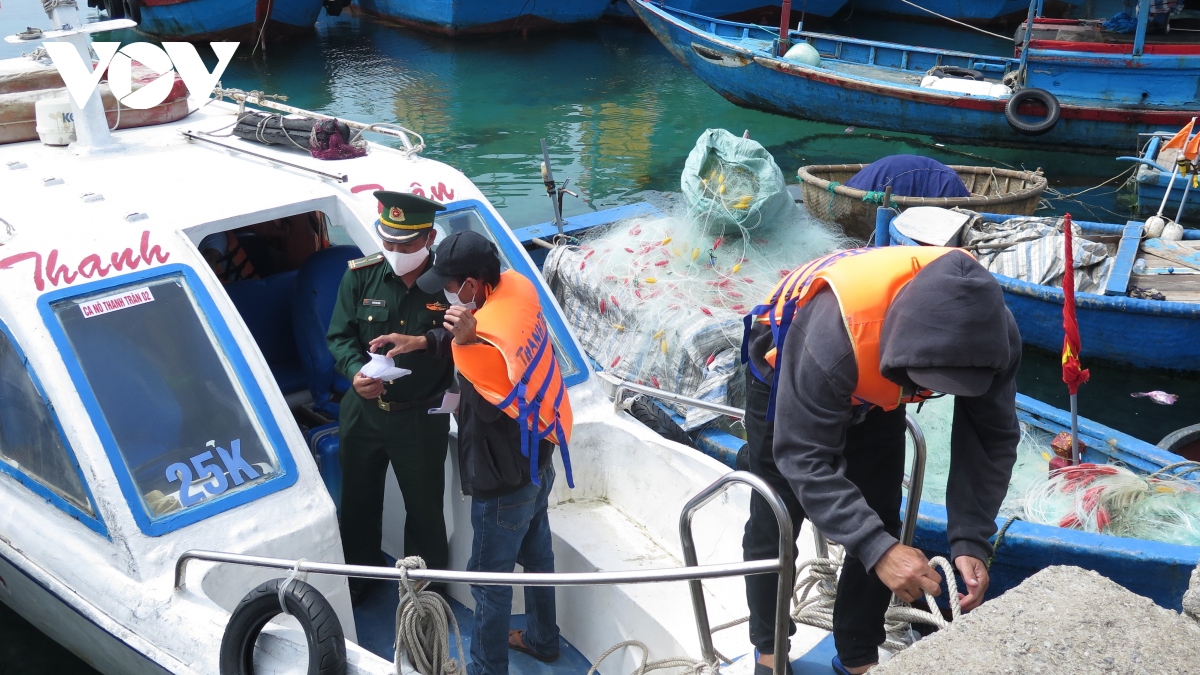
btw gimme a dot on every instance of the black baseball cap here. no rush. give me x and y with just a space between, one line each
461 253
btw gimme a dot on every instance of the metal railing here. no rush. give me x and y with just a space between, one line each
693 573
623 386
914 481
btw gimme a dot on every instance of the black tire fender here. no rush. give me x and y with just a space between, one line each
956 72
322 629
133 10
659 421
114 8
1036 128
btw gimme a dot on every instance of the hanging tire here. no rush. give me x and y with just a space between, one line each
1032 95
659 420
115 9
956 72
133 9
322 629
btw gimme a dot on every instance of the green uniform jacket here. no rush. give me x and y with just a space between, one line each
372 301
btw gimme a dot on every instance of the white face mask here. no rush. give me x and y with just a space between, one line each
455 301
403 263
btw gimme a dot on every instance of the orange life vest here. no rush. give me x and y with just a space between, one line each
865 282
515 369
235 264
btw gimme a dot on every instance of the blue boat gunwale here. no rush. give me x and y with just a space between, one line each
1183 310
773 34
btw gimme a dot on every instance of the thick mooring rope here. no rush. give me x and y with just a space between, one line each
423 622
691 666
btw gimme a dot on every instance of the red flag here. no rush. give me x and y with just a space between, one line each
1072 373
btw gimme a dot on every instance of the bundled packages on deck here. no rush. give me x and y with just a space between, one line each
322 138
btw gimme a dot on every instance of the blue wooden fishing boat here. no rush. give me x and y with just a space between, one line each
469 17
972 11
241 20
743 9
1084 94
1152 180
1156 570
1116 329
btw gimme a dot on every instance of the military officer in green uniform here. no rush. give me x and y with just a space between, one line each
381 309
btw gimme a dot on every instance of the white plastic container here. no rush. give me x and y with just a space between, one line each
959 85
55 122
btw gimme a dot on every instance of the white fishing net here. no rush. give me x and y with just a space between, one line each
1106 499
659 300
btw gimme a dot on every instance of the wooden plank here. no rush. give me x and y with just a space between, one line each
1183 296
1171 250
1118 278
1153 261
1166 282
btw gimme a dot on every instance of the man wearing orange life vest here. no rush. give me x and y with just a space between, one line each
833 355
512 413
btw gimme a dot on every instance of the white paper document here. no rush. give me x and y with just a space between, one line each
382 367
449 404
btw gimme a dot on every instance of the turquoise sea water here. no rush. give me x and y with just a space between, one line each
619 115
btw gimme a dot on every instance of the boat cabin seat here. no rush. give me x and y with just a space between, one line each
266 307
316 292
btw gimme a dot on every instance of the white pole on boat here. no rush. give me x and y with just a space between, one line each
1156 222
1075 429
91 124
1187 187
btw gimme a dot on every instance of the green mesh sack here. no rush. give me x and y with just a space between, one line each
732 183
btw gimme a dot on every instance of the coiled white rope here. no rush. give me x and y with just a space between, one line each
423 622
691 666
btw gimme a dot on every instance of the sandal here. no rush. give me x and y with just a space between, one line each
516 642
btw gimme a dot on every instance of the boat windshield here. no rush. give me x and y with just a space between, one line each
461 220
179 420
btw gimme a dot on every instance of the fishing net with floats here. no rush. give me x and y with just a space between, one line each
732 184
1106 499
660 299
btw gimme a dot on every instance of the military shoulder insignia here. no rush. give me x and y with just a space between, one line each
396 214
437 307
366 261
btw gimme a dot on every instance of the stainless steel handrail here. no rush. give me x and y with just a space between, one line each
663 395
483 578
785 565
916 481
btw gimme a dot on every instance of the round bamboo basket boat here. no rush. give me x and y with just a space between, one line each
992 190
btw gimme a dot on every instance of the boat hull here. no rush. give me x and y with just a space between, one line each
239 20
786 88
724 9
972 11
473 17
69 627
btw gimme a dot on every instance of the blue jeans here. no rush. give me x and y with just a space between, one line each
509 530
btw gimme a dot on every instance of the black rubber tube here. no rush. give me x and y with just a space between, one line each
659 421
322 629
114 8
956 72
1180 437
133 10
1035 128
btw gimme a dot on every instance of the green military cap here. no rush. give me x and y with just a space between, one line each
404 216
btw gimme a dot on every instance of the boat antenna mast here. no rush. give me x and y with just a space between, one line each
554 190
91 124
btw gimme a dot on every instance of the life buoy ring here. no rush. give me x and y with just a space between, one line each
956 72
1032 128
322 629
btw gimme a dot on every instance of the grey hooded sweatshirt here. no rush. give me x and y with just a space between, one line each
952 314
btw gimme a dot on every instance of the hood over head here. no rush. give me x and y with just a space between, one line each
947 330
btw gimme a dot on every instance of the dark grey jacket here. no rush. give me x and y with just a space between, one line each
955 318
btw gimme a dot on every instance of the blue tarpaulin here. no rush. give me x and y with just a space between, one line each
910 176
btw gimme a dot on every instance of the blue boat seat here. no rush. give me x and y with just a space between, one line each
315 294
266 307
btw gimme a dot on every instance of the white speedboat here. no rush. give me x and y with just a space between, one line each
147 409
